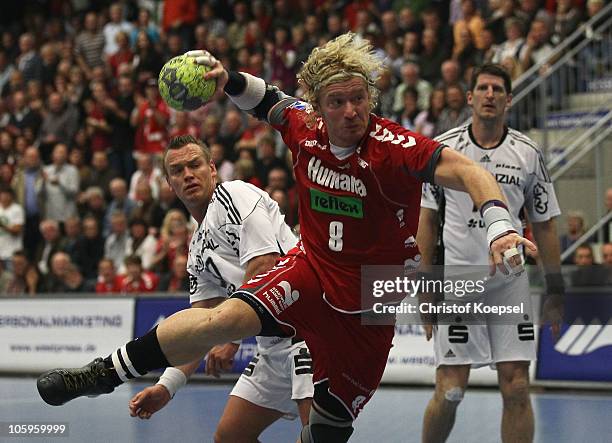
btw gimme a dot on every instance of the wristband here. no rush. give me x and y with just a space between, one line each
555 283
252 94
237 342
172 379
497 220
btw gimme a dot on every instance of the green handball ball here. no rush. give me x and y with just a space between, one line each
182 84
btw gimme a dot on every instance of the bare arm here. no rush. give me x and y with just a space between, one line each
458 172
427 236
545 234
259 265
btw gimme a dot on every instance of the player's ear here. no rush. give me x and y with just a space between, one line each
508 101
213 169
468 96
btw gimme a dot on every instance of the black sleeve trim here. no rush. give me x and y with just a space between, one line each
236 83
428 173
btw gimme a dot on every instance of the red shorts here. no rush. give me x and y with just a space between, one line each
350 356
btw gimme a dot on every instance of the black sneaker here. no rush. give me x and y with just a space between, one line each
59 386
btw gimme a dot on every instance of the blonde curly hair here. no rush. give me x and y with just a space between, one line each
343 58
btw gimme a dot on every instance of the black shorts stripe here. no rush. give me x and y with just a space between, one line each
269 325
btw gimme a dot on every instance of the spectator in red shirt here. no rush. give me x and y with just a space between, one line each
136 279
123 55
150 119
108 280
183 126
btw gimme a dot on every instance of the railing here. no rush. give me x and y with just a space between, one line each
580 64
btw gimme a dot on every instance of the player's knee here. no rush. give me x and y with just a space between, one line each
515 391
323 427
450 397
454 395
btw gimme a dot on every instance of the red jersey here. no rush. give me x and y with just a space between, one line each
362 210
147 283
151 137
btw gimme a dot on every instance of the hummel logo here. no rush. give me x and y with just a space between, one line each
485 159
449 354
584 339
344 166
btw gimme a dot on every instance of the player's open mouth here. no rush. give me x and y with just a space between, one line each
191 187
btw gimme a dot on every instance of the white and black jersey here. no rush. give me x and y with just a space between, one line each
242 222
518 166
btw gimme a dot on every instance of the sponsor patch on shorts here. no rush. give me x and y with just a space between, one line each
333 204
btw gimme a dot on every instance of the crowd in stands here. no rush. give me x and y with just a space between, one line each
83 202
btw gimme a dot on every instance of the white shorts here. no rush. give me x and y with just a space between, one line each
276 380
485 339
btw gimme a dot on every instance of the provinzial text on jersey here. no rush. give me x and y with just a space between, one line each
323 176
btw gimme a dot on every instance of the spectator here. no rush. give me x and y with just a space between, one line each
244 169
146 25
89 45
498 21
61 185
119 202
225 168
410 110
442 35
148 173
215 25
22 119
183 126
90 248
52 243
56 280
266 152
150 119
513 45
95 205
410 78
97 117
147 208
148 60
12 219
24 278
115 244
427 120
77 159
231 131
456 112
122 56
121 154
179 17
168 200
432 56
113 28
537 49
451 75
6 69
108 280
587 272
29 186
283 60
177 280
606 255
173 240
71 237
141 242
575 230
210 130
136 279
101 174
566 20
236 31
59 124
29 62
49 64
471 21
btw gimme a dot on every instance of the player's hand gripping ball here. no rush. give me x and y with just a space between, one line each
182 84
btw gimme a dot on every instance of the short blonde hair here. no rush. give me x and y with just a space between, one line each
343 58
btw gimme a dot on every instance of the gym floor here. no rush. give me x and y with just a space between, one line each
393 415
